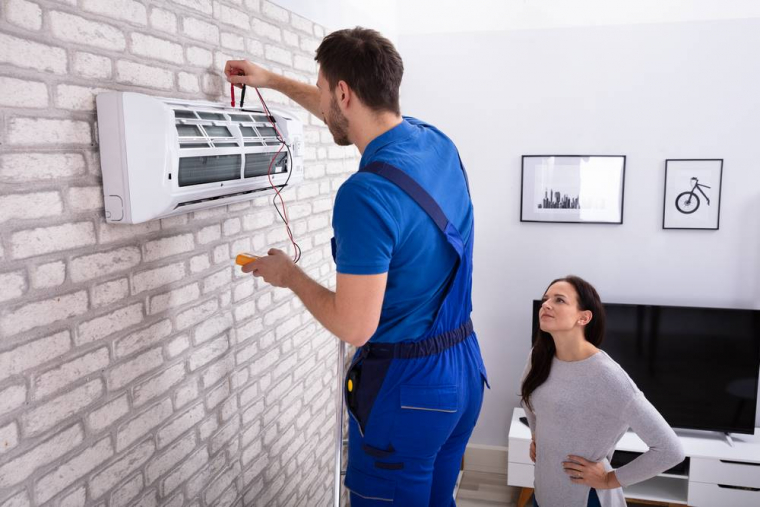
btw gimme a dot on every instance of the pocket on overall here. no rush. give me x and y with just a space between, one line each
427 416
362 385
370 487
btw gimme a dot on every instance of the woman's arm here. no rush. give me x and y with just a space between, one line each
665 449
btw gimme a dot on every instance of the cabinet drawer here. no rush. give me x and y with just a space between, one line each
519 451
715 471
520 474
713 495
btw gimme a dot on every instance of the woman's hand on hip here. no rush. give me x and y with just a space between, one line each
592 474
533 451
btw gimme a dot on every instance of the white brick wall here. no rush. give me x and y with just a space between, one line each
137 365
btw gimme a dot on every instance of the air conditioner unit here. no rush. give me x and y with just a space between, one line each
162 157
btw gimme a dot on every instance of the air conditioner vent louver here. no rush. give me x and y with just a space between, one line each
161 157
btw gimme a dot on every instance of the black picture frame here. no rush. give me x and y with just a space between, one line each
616 186
687 216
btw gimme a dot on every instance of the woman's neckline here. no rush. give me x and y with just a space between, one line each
598 352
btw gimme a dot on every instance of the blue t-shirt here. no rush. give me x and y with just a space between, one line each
379 228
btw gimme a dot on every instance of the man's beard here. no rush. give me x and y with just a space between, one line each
337 123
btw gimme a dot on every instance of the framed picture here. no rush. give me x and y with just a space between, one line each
577 189
692 194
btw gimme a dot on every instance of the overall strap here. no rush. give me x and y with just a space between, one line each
412 188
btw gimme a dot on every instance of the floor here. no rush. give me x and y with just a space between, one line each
479 489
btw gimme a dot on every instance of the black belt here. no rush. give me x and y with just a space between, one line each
427 347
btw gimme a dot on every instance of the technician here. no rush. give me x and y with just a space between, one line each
403 247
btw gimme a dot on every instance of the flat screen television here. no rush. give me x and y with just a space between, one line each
697 366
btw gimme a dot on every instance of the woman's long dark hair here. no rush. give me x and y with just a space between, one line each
544 348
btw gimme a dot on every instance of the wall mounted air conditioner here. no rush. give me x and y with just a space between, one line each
162 157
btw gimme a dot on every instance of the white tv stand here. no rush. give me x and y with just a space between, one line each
719 474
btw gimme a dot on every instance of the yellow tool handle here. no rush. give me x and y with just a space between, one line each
244 258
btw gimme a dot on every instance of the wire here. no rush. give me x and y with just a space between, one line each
284 214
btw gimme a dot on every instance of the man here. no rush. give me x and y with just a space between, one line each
403 248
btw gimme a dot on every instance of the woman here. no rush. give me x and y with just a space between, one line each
579 403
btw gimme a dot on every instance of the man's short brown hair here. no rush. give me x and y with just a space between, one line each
367 62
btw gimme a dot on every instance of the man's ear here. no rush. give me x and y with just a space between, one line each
343 93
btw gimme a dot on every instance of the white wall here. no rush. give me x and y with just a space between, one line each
382 15
651 92
449 16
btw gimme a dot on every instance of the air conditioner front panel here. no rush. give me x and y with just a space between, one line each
180 155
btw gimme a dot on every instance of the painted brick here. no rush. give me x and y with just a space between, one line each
106 415
43 313
203 6
158 49
93 66
143 339
21 467
231 16
49 275
108 324
154 278
56 410
208 353
196 314
76 29
42 240
200 30
126 493
106 479
174 298
22 93
11 398
199 57
32 55
180 425
166 247
8 437
218 280
19 168
123 374
167 460
127 10
183 472
158 384
102 264
12 285
57 378
264 29
144 75
24 14
137 427
163 20
110 292
300 23
78 466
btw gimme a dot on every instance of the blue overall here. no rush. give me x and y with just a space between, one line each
413 405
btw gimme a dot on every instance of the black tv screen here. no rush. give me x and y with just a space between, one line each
698 366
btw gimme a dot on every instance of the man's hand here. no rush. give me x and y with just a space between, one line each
243 72
277 268
583 471
533 451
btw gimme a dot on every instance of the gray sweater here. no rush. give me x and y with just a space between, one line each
584 408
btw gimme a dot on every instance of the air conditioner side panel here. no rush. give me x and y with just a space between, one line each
113 157
148 125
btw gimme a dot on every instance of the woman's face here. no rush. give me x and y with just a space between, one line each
559 311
